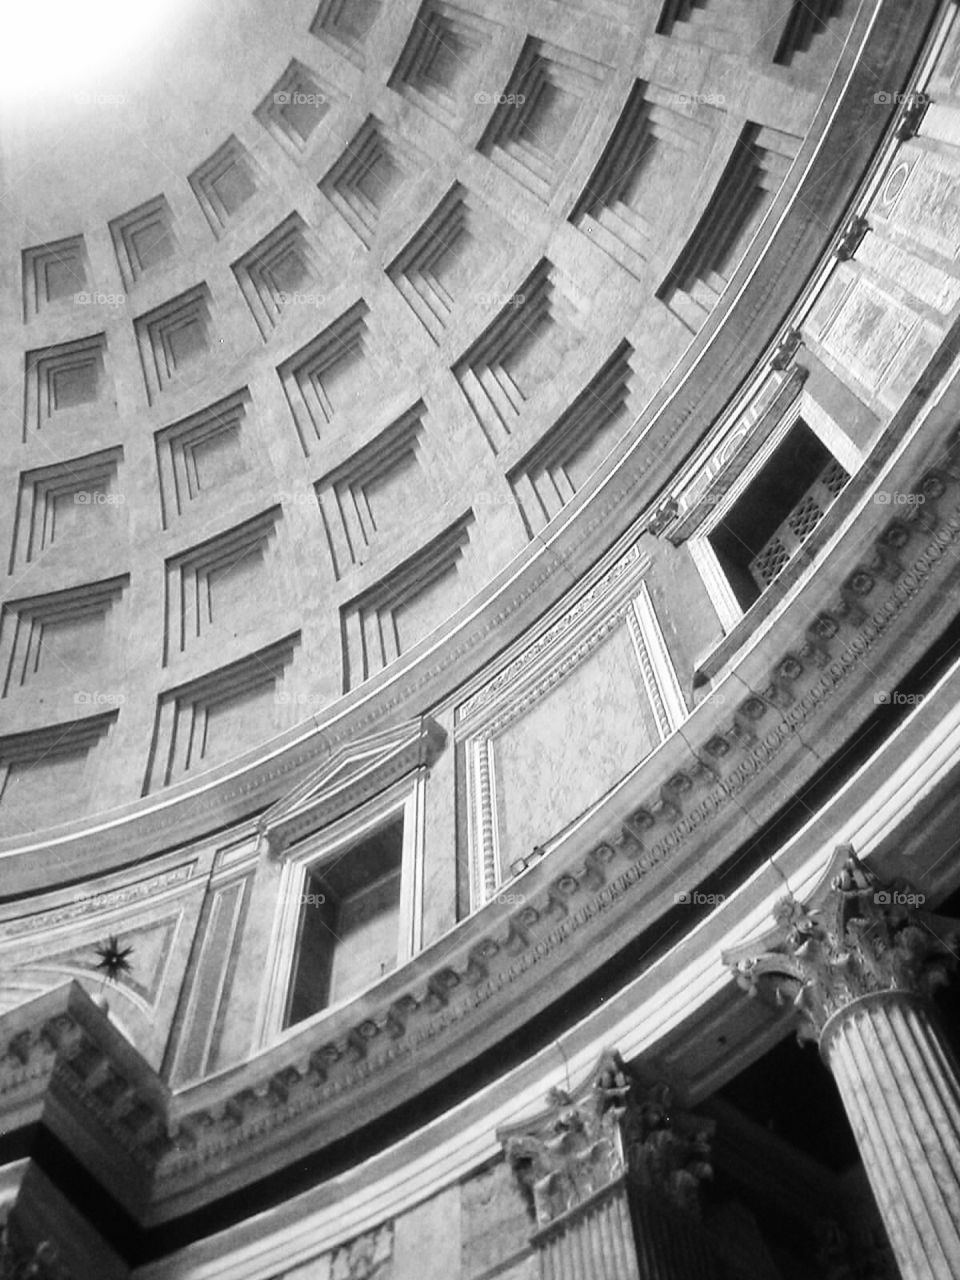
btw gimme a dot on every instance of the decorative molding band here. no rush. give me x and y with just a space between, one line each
98 901
656 665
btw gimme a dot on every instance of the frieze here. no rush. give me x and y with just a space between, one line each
102 900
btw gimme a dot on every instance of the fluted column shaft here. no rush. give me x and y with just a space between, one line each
901 1090
620 1234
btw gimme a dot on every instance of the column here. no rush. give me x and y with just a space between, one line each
612 1173
860 968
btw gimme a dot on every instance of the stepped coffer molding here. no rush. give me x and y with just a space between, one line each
210 718
53 273
64 380
199 454
541 114
389 618
224 183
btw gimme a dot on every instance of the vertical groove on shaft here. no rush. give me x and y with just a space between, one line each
940 1134
905 1109
894 1128
878 1157
931 1063
611 1264
925 1157
900 1089
625 1236
624 1240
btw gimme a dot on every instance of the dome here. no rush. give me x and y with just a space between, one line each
479 516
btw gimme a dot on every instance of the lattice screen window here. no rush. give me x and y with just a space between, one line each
758 534
798 526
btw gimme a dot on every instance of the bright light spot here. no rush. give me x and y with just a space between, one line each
63 46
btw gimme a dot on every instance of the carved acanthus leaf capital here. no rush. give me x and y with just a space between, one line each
866 937
612 1127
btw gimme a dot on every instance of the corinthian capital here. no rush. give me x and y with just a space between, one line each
613 1127
865 937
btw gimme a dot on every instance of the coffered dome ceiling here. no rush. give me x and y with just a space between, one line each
319 324
478 517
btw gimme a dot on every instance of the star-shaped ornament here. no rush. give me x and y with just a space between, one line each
113 958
